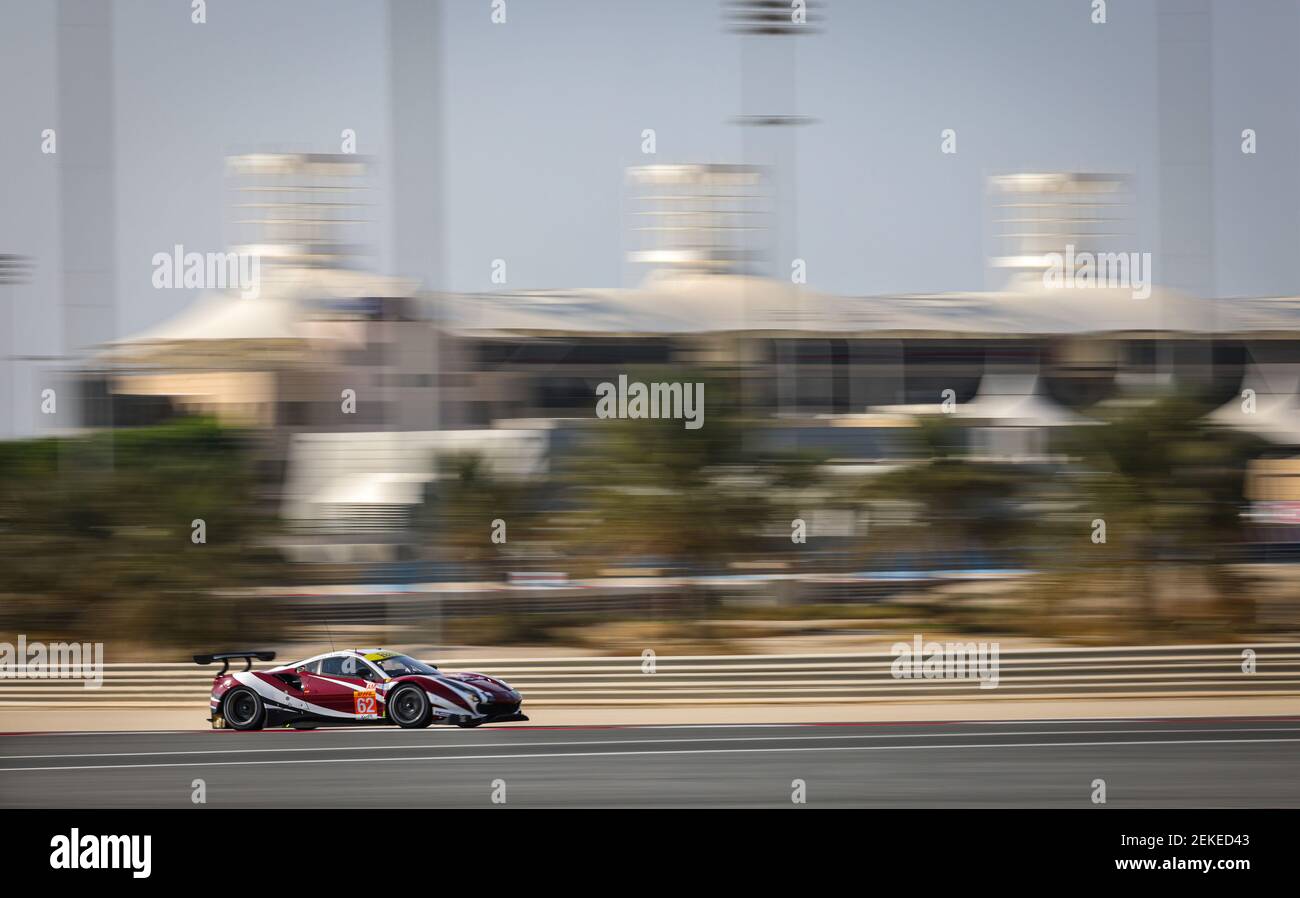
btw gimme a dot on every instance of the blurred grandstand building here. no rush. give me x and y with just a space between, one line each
513 375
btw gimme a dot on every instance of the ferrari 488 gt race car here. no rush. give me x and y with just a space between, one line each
354 686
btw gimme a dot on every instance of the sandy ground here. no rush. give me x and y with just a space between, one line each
17 720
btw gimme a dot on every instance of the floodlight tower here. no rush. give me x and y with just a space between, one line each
768 114
87 199
417 53
14 269
768 30
1185 73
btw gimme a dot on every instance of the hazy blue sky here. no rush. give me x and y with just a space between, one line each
545 112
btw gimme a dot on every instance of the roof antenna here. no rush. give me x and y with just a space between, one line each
326 621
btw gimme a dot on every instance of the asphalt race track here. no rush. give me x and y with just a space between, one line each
1224 762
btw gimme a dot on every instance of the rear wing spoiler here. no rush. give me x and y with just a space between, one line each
224 658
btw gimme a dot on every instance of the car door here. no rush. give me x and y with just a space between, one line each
366 704
343 684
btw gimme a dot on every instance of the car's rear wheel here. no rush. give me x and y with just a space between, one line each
244 709
408 707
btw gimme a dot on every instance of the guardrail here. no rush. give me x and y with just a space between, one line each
1130 672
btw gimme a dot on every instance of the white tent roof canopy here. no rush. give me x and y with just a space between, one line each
1276 403
1004 400
1015 400
373 488
331 470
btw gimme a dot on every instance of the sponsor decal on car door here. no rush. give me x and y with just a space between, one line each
365 705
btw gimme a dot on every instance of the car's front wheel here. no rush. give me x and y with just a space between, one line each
244 709
409 708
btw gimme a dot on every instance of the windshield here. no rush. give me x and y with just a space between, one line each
399 665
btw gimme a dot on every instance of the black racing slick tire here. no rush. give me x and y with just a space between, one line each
243 709
409 708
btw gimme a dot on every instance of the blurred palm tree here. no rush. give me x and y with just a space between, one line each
460 507
963 506
655 492
1171 488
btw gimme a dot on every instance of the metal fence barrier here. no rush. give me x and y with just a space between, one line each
1130 672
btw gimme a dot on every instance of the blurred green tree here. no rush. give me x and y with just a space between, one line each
463 503
96 537
962 505
653 490
1171 488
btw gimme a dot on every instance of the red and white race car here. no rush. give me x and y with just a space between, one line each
354 686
